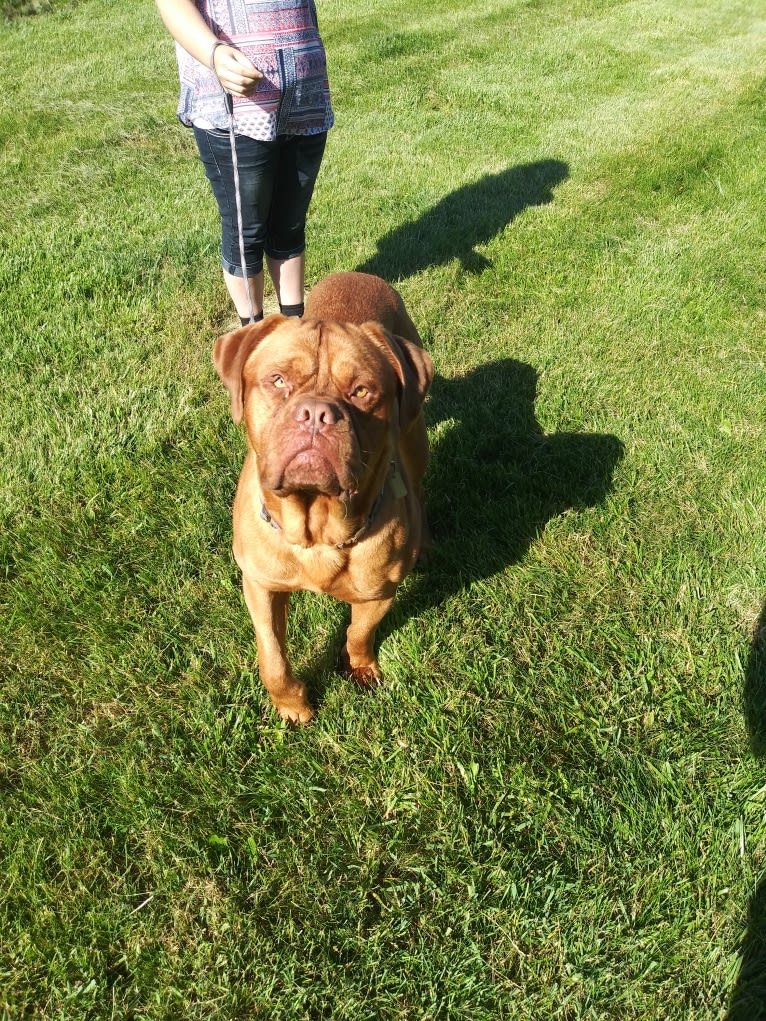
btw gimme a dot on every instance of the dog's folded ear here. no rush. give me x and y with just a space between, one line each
412 365
231 351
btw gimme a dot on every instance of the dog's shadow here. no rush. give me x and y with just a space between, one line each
748 1002
467 217
494 481
496 478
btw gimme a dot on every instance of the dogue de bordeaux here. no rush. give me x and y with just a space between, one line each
330 496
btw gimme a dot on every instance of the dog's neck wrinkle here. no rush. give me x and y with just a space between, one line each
291 514
309 520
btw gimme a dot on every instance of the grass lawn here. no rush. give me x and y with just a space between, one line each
555 808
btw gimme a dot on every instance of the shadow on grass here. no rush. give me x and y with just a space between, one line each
24 8
748 1001
496 478
470 216
755 688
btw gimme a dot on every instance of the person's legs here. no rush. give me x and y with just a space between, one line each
300 157
257 164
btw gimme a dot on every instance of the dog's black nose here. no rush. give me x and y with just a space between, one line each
316 415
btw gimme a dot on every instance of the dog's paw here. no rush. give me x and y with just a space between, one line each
368 676
296 717
294 711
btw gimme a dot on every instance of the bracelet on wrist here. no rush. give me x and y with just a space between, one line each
211 57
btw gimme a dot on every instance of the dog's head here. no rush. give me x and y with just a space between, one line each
323 402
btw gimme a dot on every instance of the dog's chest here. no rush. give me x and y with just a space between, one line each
352 575
343 574
318 569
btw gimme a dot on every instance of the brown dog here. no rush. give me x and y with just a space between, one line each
330 495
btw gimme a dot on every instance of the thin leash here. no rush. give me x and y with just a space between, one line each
238 198
229 101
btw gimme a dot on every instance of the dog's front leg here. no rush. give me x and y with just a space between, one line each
358 657
268 611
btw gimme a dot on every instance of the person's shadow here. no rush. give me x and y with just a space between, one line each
748 1002
470 216
495 479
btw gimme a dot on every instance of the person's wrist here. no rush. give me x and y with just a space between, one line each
211 56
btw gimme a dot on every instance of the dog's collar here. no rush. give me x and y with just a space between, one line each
397 488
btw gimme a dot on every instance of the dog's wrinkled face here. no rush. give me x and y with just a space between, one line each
320 403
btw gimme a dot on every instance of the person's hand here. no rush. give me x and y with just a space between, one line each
236 73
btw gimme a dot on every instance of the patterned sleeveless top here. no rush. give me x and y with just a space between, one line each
281 38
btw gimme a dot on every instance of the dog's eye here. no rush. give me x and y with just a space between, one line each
360 392
278 382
